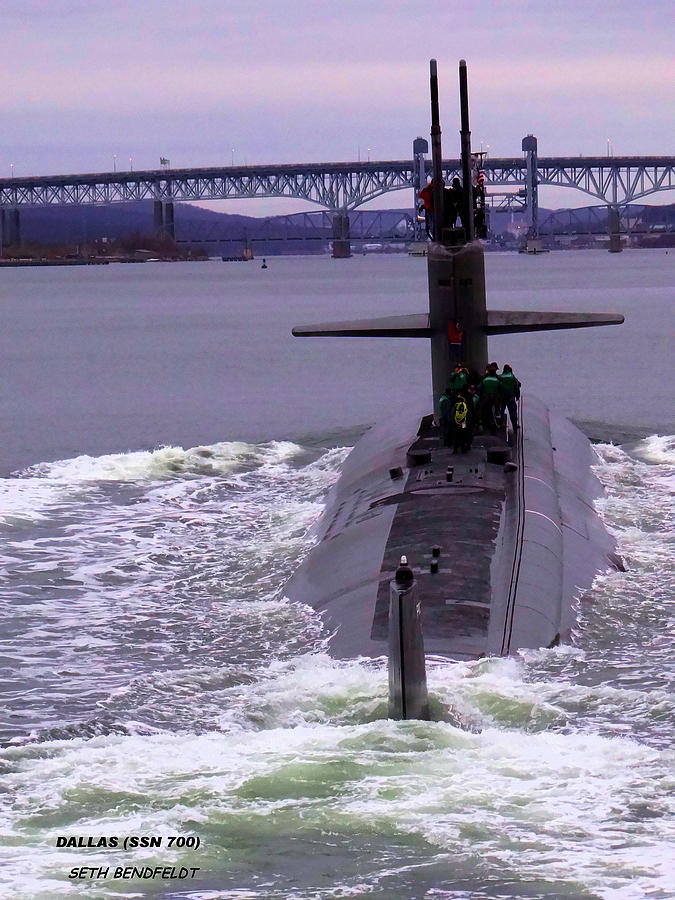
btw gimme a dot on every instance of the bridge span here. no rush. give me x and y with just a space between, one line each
338 186
342 187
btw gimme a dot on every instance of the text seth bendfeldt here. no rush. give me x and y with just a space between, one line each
166 873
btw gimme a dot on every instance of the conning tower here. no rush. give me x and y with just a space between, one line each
458 322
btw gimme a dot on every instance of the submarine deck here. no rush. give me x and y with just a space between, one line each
517 542
461 517
394 498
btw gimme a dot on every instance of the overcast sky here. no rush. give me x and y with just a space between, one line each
285 81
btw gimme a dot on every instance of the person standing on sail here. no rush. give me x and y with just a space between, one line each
426 195
454 204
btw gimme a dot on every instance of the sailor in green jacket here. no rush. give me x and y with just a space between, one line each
511 393
490 392
445 405
458 379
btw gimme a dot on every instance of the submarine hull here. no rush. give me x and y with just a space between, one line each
518 534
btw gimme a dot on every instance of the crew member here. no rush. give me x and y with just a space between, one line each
455 335
474 398
479 217
511 393
454 203
490 388
426 195
445 405
458 379
462 424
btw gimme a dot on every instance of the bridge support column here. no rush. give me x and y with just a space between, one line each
614 230
11 228
342 248
169 225
529 147
158 218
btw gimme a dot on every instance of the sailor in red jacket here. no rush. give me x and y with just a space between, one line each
426 195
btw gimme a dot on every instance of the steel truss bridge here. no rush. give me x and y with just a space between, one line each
341 187
392 226
594 220
316 225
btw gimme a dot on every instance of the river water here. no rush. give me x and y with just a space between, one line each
166 446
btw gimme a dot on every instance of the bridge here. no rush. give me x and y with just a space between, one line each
391 227
341 187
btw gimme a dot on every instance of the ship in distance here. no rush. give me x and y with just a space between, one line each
498 542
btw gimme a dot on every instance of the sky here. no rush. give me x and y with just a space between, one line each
88 86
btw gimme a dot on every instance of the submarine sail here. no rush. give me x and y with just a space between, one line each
501 539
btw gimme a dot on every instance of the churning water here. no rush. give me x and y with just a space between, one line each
155 680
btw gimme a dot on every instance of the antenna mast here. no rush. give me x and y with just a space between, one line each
436 155
466 151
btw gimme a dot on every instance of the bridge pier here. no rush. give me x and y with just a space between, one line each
529 147
169 225
614 230
158 218
10 228
342 248
163 220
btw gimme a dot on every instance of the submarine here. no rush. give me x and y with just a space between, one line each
422 551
